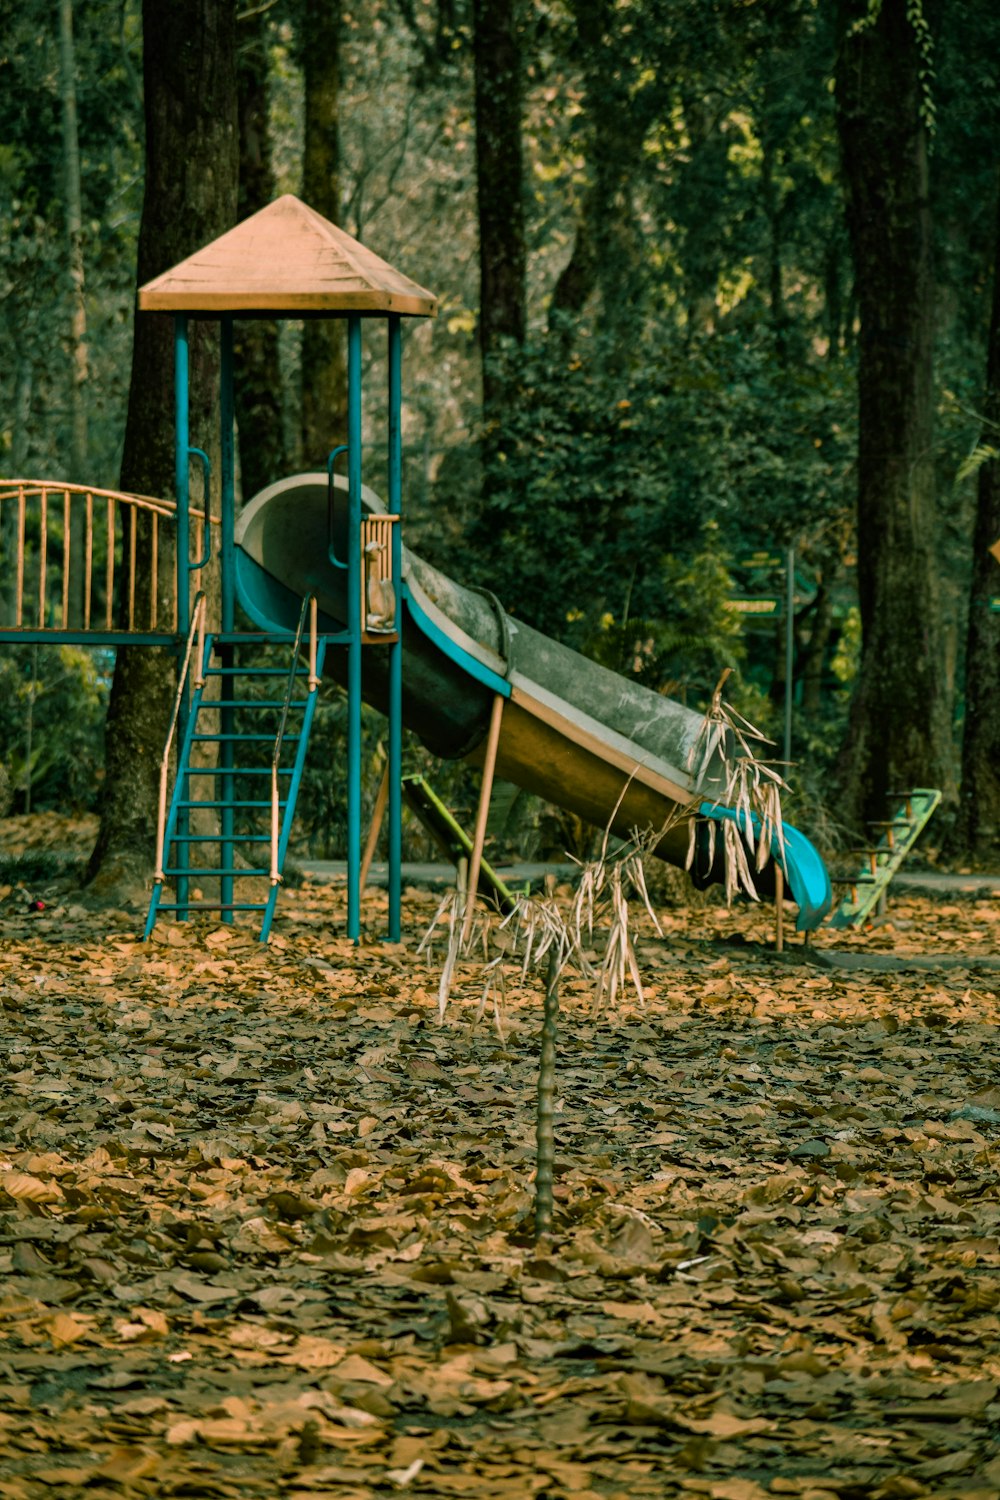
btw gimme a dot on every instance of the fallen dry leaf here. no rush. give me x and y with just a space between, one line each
264 1221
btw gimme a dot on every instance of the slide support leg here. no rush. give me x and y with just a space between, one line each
354 625
376 828
395 767
485 793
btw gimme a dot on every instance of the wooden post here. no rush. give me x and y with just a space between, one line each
378 813
485 793
779 908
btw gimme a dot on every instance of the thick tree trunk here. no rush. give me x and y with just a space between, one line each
812 657
605 251
899 730
256 370
499 182
190 198
77 289
324 348
979 803
771 195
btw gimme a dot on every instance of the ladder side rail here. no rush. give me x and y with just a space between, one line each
301 750
195 637
306 609
291 797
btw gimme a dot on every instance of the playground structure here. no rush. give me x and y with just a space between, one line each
315 565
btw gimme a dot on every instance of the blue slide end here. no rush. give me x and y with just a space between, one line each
805 873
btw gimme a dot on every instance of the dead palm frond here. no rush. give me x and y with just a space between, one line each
603 895
751 789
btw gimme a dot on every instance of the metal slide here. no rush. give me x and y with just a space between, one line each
572 732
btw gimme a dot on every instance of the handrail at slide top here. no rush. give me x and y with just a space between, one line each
308 607
196 633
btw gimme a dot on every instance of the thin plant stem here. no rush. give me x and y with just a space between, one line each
545 1128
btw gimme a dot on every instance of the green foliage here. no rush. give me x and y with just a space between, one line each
52 706
696 400
618 499
917 21
34 268
689 633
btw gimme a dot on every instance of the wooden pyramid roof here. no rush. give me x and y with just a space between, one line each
285 259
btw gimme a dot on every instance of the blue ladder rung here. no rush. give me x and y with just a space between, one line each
251 703
244 739
204 873
252 638
257 672
217 838
212 906
236 771
229 804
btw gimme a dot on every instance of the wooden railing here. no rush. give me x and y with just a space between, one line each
68 559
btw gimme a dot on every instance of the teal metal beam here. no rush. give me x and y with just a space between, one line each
227 476
181 486
88 638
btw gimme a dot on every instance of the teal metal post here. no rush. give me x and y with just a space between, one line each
354 626
395 498
182 544
227 476
181 485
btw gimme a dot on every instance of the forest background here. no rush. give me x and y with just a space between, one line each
717 279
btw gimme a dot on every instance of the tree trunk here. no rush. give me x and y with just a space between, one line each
324 349
256 368
23 387
499 182
605 251
189 71
812 658
771 195
77 287
979 803
899 728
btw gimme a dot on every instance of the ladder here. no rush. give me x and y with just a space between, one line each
898 836
246 748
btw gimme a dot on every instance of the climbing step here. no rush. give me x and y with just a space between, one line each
881 862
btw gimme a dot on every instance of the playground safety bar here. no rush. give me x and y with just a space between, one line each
308 607
70 544
196 632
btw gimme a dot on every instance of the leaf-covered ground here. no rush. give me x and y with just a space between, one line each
264 1221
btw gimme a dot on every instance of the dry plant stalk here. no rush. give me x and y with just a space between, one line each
603 892
752 789
451 915
537 929
545 1136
